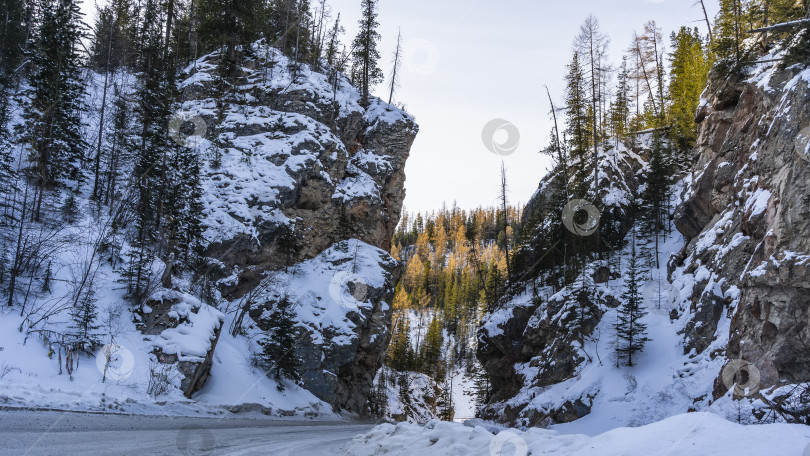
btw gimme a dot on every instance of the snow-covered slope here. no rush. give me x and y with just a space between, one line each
686 434
285 151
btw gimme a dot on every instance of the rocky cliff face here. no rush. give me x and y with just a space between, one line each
535 338
293 168
745 218
292 153
341 301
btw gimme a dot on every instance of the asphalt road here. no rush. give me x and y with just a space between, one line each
67 433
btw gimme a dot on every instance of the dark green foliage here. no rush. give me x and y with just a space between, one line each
378 398
85 329
655 199
290 22
578 121
12 38
228 25
620 106
631 332
688 76
400 353
366 55
167 203
278 355
53 114
430 355
121 147
288 244
113 36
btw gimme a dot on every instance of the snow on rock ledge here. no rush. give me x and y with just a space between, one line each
184 331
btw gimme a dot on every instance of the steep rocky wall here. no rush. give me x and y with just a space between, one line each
745 217
295 164
290 149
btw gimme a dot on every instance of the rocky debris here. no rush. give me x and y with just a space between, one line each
185 333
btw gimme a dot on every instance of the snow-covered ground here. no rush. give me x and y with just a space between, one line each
686 434
31 379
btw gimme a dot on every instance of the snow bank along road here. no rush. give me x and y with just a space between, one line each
67 433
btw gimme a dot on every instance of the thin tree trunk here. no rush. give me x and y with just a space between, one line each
708 22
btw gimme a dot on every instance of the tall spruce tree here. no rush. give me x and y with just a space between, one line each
53 129
366 54
620 107
431 351
229 24
688 75
278 349
577 121
631 332
85 328
12 42
655 199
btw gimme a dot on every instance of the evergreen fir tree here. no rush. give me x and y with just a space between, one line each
113 36
121 146
288 244
688 75
631 332
229 24
729 33
655 199
12 43
187 208
620 107
578 120
84 326
12 38
278 349
431 350
53 127
399 351
366 55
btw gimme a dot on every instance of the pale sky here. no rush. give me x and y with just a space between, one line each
470 62
474 61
